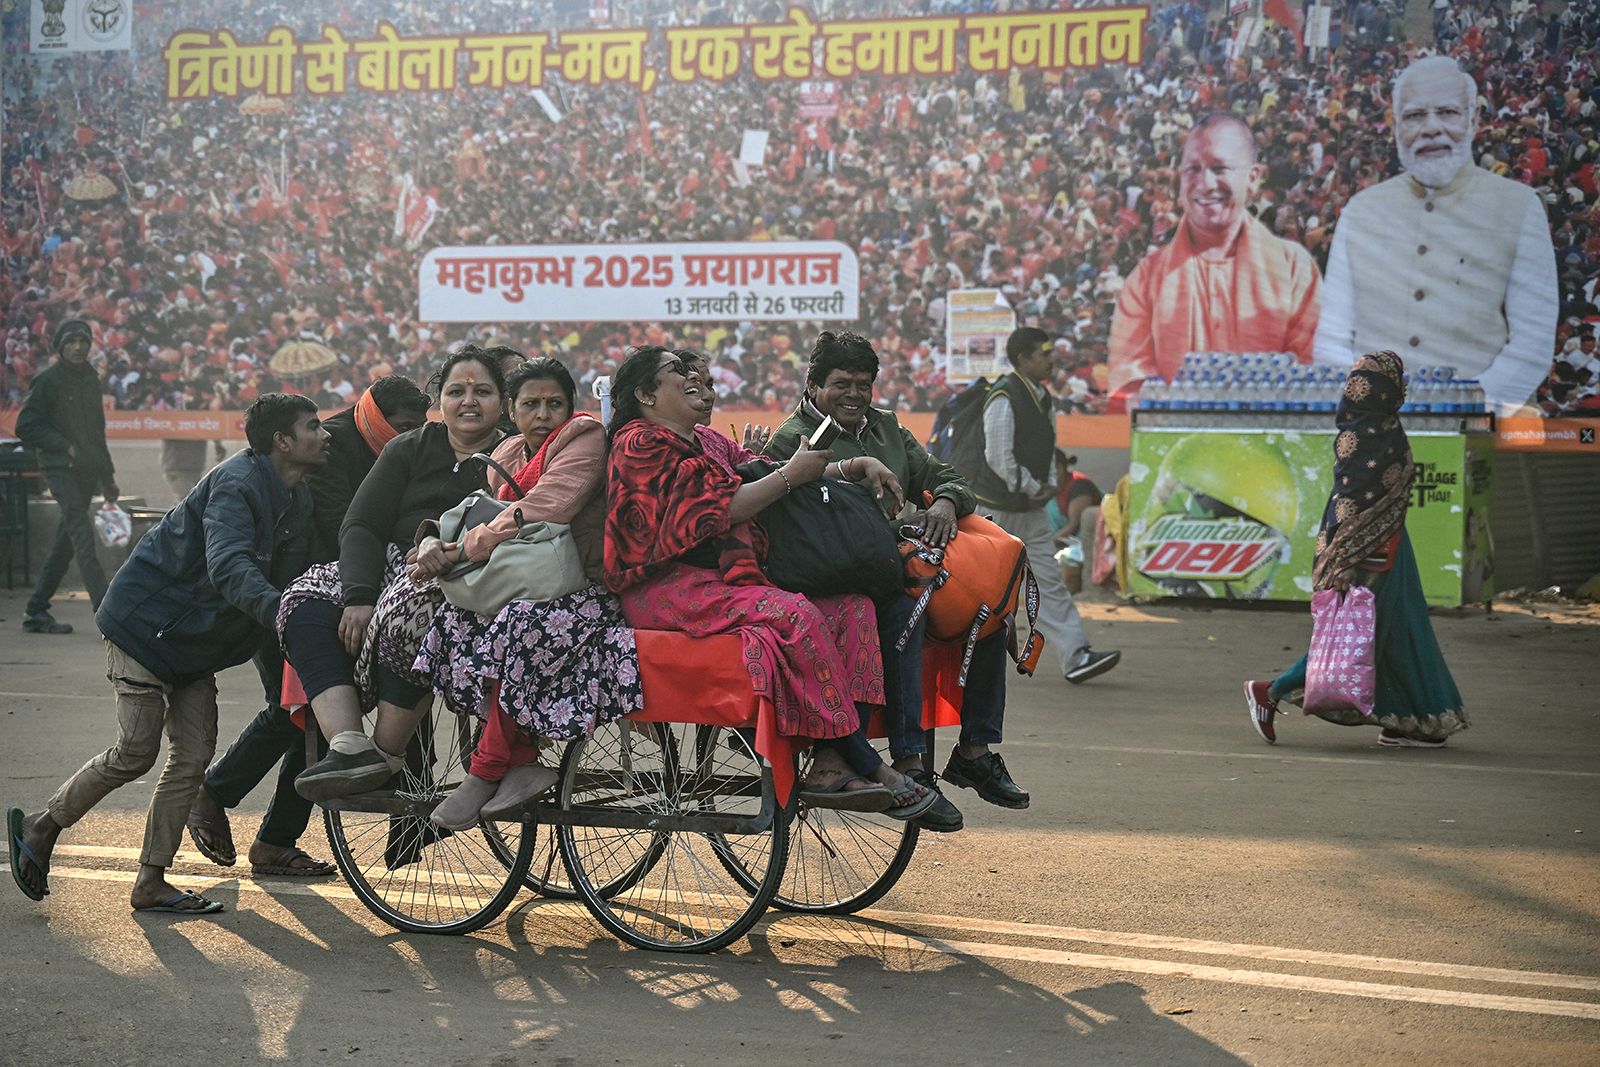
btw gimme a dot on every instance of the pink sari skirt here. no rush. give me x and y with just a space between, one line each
813 659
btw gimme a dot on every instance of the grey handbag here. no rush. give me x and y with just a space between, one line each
540 563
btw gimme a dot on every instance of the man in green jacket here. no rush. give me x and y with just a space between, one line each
839 381
64 424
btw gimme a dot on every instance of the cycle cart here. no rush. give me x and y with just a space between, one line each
676 825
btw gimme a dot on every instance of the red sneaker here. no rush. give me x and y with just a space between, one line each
1258 698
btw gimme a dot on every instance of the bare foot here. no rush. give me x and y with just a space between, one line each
210 831
902 785
152 892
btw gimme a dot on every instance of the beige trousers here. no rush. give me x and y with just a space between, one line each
146 704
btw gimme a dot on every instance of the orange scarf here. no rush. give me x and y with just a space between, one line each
375 429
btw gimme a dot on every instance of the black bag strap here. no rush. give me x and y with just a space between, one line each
1030 601
972 643
511 479
928 586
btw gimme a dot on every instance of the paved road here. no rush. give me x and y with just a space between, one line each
1178 893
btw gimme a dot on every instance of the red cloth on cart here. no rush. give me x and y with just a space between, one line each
941 691
703 680
293 696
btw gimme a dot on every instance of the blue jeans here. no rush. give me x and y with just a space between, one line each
74 537
983 707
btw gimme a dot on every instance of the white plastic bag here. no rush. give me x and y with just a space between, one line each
113 526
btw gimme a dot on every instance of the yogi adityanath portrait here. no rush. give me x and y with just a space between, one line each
1225 282
1445 263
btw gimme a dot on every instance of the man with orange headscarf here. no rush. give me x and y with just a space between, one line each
387 408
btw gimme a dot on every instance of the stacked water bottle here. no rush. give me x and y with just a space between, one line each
1272 390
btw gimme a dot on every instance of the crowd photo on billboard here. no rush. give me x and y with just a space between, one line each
240 201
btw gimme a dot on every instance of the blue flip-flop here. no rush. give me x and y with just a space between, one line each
20 852
170 905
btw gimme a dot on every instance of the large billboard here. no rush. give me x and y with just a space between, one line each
1140 181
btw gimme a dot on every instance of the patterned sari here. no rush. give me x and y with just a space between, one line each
564 667
1363 541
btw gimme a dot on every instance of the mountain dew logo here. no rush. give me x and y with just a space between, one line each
1206 550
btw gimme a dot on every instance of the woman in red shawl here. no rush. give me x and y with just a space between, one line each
682 553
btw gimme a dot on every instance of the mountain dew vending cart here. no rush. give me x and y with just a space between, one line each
1225 499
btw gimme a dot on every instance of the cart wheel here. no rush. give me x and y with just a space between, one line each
658 879
412 876
843 861
840 861
546 876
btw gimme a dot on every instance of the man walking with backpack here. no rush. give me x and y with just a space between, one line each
1014 481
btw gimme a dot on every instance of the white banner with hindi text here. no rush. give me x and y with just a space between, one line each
706 282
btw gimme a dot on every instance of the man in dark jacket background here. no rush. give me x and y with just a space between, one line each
64 422
195 597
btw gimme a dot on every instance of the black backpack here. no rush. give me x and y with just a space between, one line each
957 436
828 537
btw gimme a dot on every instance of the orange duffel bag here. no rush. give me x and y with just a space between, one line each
971 588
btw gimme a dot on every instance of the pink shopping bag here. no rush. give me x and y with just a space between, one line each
1341 668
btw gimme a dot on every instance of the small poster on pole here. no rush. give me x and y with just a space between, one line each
977 323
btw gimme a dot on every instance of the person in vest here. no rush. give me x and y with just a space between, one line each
1017 481
1447 264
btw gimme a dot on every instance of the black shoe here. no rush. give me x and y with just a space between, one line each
339 775
42 622
987 775
944 817
1089 664
408 836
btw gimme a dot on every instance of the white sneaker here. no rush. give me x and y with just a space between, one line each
1089 664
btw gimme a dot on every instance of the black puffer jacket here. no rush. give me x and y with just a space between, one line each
334 484
63 411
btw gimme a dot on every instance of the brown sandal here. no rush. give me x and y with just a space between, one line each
287 862
210 830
